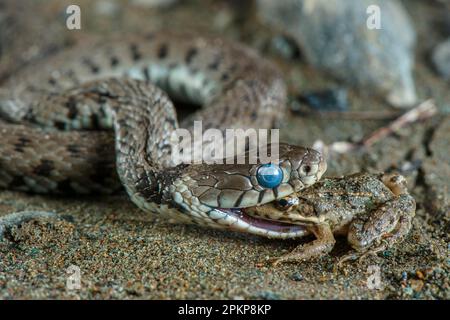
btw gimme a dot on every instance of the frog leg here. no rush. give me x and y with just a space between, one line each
322 245
382 228
402 228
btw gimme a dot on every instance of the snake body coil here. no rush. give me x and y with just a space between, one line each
48 144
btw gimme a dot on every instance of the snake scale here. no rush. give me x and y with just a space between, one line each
55 115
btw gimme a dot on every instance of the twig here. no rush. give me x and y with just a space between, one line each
423 111
353 115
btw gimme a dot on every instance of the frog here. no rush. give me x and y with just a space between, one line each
373 210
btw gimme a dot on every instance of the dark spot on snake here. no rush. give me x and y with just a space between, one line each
275 192
91 65
150 36
114 61
102 99
165 147
71 104
95 123
45 168
216 63
261 195
239 200
254 115
52 81
224 77
172 121
135 54
163 50
246 99
146 74
21 144
183 210
122 122
191 53
70 74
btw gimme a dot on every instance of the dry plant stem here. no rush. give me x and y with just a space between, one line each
354 115
423 111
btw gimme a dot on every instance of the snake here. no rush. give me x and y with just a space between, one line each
98 117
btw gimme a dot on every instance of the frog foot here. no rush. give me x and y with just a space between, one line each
362 255
322 245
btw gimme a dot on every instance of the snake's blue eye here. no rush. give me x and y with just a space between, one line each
269 175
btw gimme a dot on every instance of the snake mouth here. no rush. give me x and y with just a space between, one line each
268 228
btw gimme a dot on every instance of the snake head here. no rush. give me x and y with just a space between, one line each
219 194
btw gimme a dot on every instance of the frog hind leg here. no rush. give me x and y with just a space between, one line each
323 244
385 226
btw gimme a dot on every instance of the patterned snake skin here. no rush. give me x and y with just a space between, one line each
53 136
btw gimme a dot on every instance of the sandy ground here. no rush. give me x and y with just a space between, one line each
124 253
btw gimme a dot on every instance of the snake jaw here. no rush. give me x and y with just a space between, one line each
238 220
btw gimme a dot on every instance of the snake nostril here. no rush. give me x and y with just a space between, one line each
306 170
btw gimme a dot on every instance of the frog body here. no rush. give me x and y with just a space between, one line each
374 211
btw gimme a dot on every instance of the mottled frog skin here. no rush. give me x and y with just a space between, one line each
374 211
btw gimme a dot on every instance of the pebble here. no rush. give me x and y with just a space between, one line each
334 36
268 295
297 277
326 100
441 59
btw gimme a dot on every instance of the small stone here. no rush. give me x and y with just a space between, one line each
327 100
408 290
268 295
297 277
387 253
336 37
419 274
441 59
404 276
